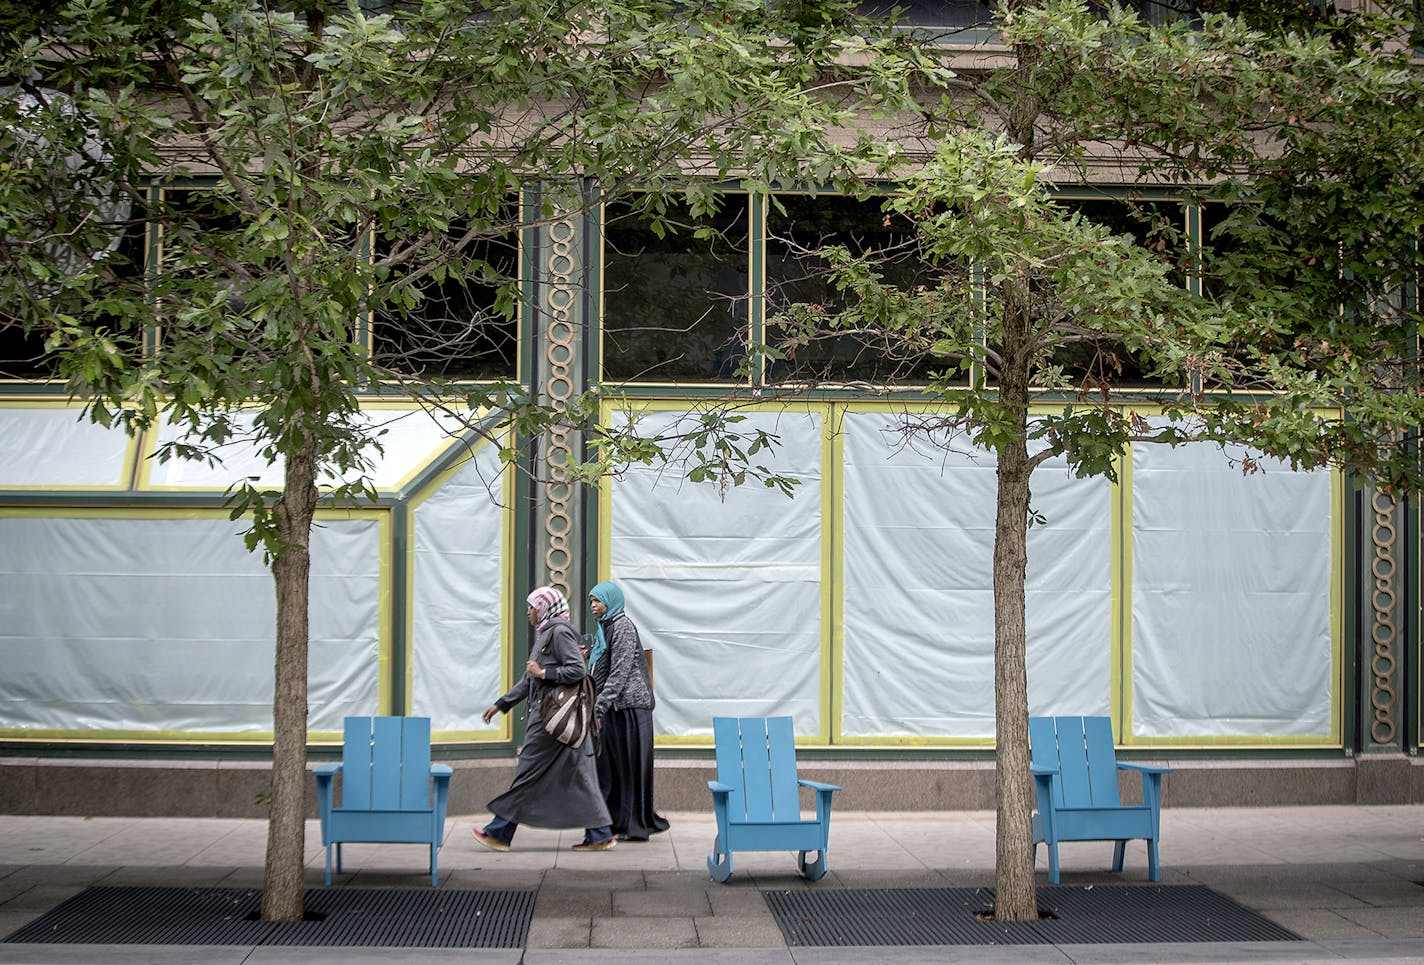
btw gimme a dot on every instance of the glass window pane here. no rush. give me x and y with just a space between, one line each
675 306
200 229
464 322
797 274
1099 364
1161 12
949 13
196 222
1220 242
22 354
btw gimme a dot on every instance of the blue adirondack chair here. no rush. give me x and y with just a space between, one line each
756 796
1075 778
386 793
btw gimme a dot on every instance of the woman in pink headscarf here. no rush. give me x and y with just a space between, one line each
555 786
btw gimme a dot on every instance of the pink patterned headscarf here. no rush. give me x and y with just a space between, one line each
548 603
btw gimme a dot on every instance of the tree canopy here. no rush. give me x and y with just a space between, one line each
365 171
1286 320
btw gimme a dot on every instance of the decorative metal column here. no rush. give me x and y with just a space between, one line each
1382 602
559 287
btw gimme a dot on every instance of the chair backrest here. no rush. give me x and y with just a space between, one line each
1082 750
756 757
385 764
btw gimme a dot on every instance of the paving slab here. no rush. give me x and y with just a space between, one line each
677 903
562 901
737 932
629 932
552 930
1319 924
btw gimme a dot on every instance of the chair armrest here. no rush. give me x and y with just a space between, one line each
1143 768
1151 785
324 773
1043 783
721 804
325 793
441 775
824 793
1043 778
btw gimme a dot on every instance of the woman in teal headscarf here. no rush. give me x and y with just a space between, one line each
625 712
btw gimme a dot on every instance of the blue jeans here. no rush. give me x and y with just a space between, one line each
502 830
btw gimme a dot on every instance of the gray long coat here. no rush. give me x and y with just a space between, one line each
555 786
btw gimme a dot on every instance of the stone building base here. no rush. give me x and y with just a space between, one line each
228 789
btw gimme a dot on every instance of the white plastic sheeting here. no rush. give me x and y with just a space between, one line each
918 606
55 447
1231 595
408 438
167 625
726 587
458 589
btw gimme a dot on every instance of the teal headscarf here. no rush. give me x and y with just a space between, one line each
610 596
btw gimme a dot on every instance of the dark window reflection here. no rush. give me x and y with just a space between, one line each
1158 226
1274 278
22 355
1163 11
964 14
951 13
463 324
1220 274
118 248
796 274
675 307
199 231
1096 365
196 225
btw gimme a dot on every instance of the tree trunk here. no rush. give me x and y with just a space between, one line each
1014 882
282 884
1015 898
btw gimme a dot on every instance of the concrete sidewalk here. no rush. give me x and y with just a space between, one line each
1347 879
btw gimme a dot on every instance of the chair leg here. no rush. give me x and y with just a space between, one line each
812 870
434 869
338 857
1119 852
1053 863
719 862
328 865
1154 870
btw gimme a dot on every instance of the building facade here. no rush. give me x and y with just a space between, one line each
1256 627
1257 630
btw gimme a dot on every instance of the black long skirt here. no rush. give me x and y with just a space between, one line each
625 773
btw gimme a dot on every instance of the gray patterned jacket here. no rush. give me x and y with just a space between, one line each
626 687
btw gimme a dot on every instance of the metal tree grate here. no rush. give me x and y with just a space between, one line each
372 917
1101 914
